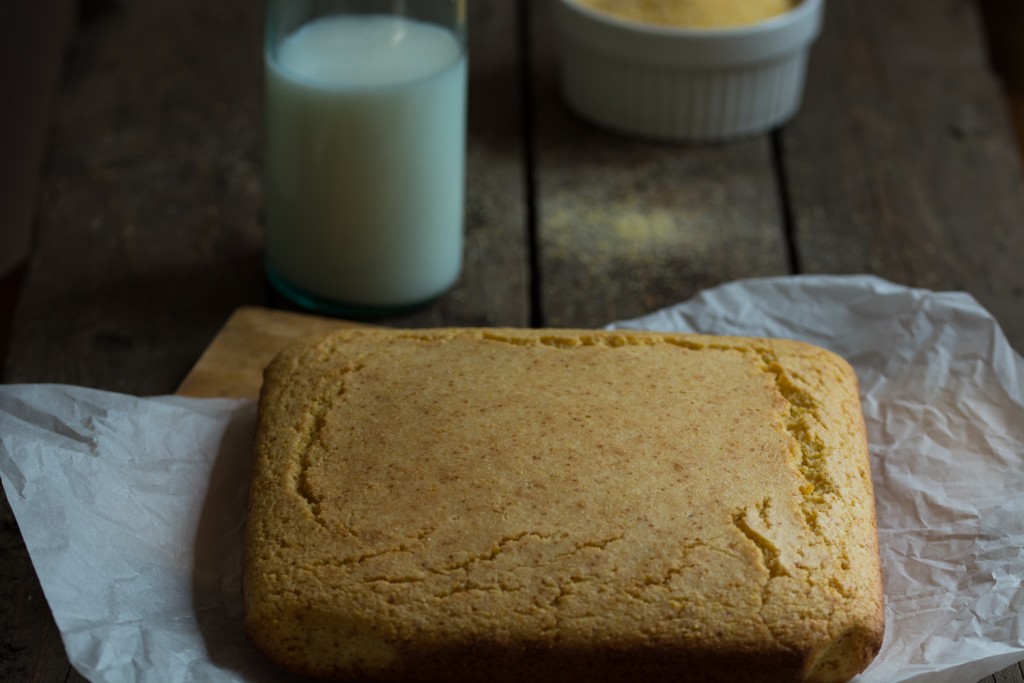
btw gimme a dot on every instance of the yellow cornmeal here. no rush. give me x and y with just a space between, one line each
693 13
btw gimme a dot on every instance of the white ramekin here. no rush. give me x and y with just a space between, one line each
685 84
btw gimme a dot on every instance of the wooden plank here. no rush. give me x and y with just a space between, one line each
626 226
1011 674
30 645
148 231
149 226
902 163
232 365
32 41
150 234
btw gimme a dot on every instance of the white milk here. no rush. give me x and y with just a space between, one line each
365 157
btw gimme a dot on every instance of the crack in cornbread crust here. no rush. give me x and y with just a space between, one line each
636 542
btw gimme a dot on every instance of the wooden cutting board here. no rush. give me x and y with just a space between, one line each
232 365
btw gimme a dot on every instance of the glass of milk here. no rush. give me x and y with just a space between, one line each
365 155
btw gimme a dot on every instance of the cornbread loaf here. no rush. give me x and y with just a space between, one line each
701 14
527 505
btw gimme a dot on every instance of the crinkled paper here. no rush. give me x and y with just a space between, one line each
132 508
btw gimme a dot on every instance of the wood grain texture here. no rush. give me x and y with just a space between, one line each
149 223
925 189
32 40
153 198
1011 674
232 365
30 645
148 231
626 226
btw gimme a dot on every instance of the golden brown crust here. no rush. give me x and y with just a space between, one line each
471 504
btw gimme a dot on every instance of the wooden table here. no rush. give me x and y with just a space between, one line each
901 164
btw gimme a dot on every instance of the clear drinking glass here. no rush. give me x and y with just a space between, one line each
365 151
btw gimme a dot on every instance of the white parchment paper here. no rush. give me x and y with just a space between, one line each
132 508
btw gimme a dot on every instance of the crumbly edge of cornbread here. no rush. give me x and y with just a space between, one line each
797 371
